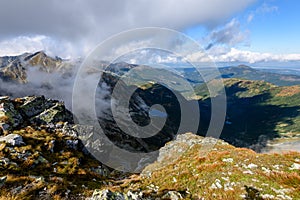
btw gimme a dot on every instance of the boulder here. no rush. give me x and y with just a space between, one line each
252 193
106 195
101 170
34 105
12 139
2 180
109 195
72 144
56 113
172 195
9 116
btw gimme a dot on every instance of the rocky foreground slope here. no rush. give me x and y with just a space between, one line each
41 157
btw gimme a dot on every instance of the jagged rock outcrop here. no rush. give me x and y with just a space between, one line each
9 116
31 110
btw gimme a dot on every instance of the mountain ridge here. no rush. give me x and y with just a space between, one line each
42 155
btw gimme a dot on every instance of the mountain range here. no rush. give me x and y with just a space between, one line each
42 155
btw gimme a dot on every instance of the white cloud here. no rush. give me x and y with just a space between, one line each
198 57
230 34
83 24
261 10
235 55
250 17
30 44
266 8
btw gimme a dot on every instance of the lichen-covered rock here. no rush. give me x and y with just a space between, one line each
9 116
12 139
34 105
109 195
68 130
105 195
31 110
53 115
172 195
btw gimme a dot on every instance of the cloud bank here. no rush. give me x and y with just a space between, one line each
83 24
223 54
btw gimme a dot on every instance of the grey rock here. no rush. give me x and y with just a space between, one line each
34 105
109 195
9 115
2 180
16 190
72 144
4 126
101 170
12 139
52 145
53 115
172 195
252 193
68 130
41 160
4 98
31 185
4 162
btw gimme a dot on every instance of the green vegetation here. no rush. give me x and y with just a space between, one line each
257 111
220 174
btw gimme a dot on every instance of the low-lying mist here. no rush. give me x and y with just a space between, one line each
55 85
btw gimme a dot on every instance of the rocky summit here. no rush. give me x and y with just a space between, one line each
15 68
31 110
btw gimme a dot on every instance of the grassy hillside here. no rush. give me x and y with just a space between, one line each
225 172
257 111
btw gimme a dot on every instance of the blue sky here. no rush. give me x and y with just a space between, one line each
276 30
272 26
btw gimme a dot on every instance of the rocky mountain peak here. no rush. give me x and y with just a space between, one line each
15 68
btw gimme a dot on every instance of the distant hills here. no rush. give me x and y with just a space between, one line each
246 72
275 76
